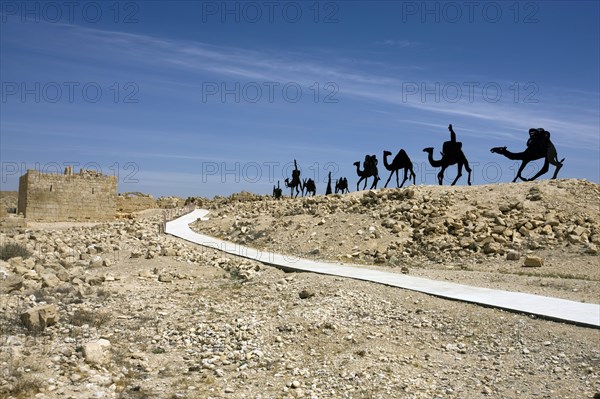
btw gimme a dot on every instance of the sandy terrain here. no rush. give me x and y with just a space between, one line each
181 321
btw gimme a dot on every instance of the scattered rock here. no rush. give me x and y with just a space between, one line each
513 255
96 261
591 249
97 352
533 261
10 284
50 280
256 339
306 293
40 317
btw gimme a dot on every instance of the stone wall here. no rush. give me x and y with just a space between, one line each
170 202
134 202
53 197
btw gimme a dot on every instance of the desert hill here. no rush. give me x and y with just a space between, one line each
120 310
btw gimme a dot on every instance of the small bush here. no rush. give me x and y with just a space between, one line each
235 274
25 387
94 319
13 250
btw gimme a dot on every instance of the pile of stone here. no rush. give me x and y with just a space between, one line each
170 202
435 223
77 259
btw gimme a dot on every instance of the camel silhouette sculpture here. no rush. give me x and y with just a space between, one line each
538 146
295 183
310 187
369 170
400 161
277 192
341 185
328 191
452 154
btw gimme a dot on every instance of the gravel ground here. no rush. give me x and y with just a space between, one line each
143 315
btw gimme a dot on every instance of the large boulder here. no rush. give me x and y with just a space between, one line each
97 352
40 317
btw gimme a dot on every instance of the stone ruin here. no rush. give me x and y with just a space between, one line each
134 202
88 195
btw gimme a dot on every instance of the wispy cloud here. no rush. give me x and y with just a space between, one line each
269 65
183 65
402 43
235 63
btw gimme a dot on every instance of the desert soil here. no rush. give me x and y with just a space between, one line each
143 315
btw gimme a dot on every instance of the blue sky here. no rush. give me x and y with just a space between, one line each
211 98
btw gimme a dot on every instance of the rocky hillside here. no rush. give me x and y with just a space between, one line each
119 310
428 230
425 222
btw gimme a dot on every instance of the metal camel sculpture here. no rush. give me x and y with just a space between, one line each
295 183
400 161
451 154
310 187
341 185
277 193
538 146
369 170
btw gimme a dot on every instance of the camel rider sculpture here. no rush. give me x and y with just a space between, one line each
539 146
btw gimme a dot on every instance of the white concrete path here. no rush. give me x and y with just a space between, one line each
559 309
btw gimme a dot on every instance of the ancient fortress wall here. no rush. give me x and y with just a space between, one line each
54 197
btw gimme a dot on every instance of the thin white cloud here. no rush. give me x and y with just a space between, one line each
266 65
402 43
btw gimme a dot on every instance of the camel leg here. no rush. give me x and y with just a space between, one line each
397 178
374 184
405 177
459 174
441 175
542 171
365 185
559 165
414 176
358 183
468 169
518 176
389 178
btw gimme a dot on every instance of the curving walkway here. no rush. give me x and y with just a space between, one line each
553 308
